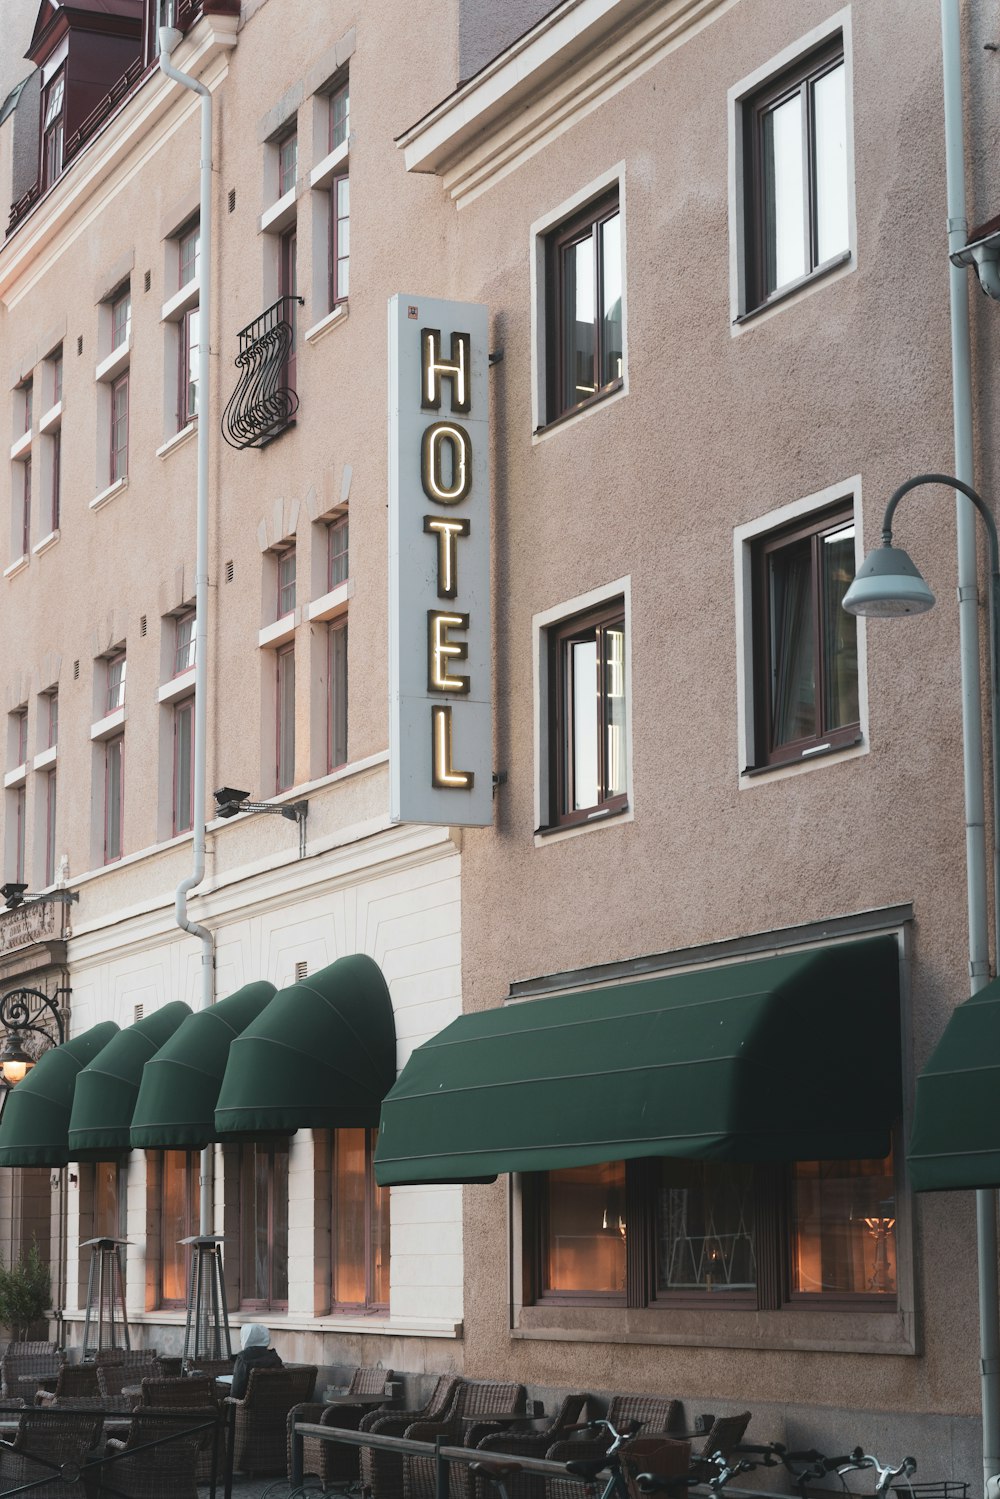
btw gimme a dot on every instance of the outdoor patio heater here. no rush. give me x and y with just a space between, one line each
105 1325
206 1332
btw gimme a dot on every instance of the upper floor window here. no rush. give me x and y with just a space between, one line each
805 654
53 130
28 404
584 306
188 242
56 360
184 642
115 696
121 319
795 174
286 582
19 737
288 162
50 718
338 533
588 715
340 113
118 455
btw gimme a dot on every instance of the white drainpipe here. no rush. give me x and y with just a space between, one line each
169 38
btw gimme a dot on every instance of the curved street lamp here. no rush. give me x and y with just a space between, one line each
20 1011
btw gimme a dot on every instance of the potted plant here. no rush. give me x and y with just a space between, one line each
25 1292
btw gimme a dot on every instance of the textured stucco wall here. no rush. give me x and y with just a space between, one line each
484 29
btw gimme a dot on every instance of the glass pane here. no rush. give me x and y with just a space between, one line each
191 373
705 1227
286 720
611 309
792 669
579 317
583 686
113 800
379 1233
614 688
840 632
340 107
830 163
279 1225
343 237
784 205
254 1256
21 803
53 718
50 828
338 696
174 1225
584 1247
183 746
349 1217
184 645
286 583
843 1227
339 551
106 1210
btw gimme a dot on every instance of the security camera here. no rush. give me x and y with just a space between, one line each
229 802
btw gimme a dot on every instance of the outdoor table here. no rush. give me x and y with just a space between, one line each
38 1381
345 1398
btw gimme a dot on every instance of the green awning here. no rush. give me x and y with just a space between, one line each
35 1123
321 1056
176 1104
788 1058
955 1141
108 1087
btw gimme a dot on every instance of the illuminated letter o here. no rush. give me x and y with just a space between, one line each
431 466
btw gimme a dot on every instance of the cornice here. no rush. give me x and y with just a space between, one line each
145 122
574 60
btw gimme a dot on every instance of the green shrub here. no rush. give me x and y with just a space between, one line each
25 1292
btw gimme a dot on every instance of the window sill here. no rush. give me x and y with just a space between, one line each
109 725
331 164
100 500
22 447
332 320
177 441
822 755
16 777
177 687
556 831
175 307
117 361
51 419
614 389
18 565
280 215
45 758
333 603
786 293
46 542
280 632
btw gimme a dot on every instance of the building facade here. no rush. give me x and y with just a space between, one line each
709 239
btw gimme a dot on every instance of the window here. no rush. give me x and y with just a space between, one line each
119 429
28 393
264 1226
337 537
187 368
288 288
337 716
360 1224
805 650
184 643
20 821
288 163
712 1233
188 247
178 1220
285 715
55 492
340 238
110 1180
115 695
19 724
121 319
183 798
796 174
57 376
588 720
51 719
114 764
25 527
50 827
340 114
53 130
584 306
286 583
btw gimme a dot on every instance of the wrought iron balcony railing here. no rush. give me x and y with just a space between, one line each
264 401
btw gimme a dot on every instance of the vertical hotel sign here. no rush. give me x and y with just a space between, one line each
440 684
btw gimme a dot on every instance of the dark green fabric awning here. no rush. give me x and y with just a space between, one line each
955 1142
176 1105
787 1058
321 1056
108 1087
35 1125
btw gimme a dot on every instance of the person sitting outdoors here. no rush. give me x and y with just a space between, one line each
257 1354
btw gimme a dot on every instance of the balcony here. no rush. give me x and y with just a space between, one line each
264 402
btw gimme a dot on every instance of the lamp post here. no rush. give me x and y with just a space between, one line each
21 1011
888 585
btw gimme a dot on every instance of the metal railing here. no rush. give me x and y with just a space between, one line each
264 402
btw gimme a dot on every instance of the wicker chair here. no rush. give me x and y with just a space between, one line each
326 1460
528 1443
481 1400
195 1393
44 1441
27 1361
72 1380
213 1366
667 1457
166 1471
724 1434
654 1412
113 1377
382 1472
261 1437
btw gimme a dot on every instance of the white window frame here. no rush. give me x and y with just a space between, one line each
744 538
540 626
737 96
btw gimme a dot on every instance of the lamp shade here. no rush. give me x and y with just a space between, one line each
888 583
15 1063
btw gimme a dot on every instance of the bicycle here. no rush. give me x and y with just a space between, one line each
811 1465
650 1483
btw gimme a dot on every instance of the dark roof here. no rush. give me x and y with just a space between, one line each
55 17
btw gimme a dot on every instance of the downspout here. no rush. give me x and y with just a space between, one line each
169 38
972 733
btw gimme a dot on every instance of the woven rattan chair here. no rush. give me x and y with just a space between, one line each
529 1442
141 1364
481 1400
195 1393
656 1414
261 1437
165 1471
72 1380
213 1366
26 1361
664 1456
328 1461
45 1440
382 1472
724 1434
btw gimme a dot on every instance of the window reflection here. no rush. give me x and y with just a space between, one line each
705 1227
585 1228
844 1227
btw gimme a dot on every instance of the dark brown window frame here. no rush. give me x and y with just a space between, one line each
369 1307
815 525
191 1172
271 1147
801 75
559 636
772 1191
572 231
